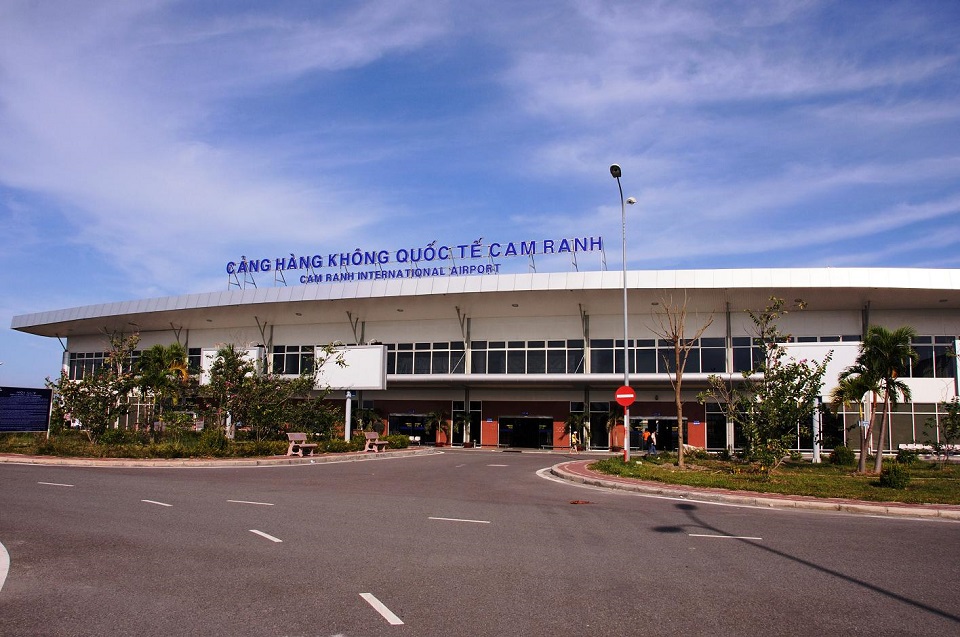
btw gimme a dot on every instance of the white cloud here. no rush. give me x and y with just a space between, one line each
106 108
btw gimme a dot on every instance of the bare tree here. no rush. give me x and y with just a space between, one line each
672 327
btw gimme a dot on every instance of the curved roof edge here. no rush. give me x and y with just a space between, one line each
780 278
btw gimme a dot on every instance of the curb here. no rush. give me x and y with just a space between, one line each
275 461
565 471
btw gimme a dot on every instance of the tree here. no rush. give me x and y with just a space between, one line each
948 429
227 392
268 402
161 373
438 420
672 322
99 398
774 401
853 386
261 402
883 355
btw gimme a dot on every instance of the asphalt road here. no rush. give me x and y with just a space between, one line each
463 543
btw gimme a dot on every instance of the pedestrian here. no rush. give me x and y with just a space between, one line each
646 438
653 443
574 442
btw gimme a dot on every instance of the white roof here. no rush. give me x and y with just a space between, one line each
535 294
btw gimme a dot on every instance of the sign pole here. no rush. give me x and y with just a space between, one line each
615 172
346 426
625 397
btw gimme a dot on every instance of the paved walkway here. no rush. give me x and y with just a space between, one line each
577 471
11 458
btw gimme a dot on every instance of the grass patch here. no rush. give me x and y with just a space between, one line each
929 484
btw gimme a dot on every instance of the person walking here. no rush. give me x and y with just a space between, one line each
653 443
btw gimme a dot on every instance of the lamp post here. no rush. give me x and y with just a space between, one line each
616 173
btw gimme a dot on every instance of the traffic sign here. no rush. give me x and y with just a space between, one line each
625 396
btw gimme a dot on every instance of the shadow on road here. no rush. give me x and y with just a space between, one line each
691 510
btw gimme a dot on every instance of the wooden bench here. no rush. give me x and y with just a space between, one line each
298 443
374 443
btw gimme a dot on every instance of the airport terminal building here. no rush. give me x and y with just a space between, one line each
514 355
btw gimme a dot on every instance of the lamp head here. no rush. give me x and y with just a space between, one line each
631 200
615 171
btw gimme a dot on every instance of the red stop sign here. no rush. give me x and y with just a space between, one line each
625 396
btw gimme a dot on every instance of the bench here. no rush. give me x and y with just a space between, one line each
374 443
928 448
298 443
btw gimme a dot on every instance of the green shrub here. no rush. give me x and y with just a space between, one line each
115 437
906 457
696 454
255 448
168 450
340 446
398 441
212 443
843 456
895 476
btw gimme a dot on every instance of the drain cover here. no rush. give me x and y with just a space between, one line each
580 502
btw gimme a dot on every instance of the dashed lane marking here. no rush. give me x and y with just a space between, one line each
55 484
460 520
163 504
263 504
385 612
266 535
725 537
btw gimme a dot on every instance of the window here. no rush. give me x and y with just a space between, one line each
426 358
746 355
194 360
293 360
713 355
935 357
83 364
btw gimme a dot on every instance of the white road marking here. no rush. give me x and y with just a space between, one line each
55 484
163 504
378 606
498 465
266 535
726 537
265 504
460 520
4 565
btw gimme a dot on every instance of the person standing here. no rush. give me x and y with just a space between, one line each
653 442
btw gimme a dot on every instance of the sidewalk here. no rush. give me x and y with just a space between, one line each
272 461
577 471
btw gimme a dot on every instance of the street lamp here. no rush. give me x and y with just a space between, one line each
616 173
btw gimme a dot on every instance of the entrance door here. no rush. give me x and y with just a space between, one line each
528 432
665 427
599 434
411 425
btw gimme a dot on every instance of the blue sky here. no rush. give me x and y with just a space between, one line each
145 144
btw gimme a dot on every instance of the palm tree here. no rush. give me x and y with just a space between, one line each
853 385
885 354
438 420
161 371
